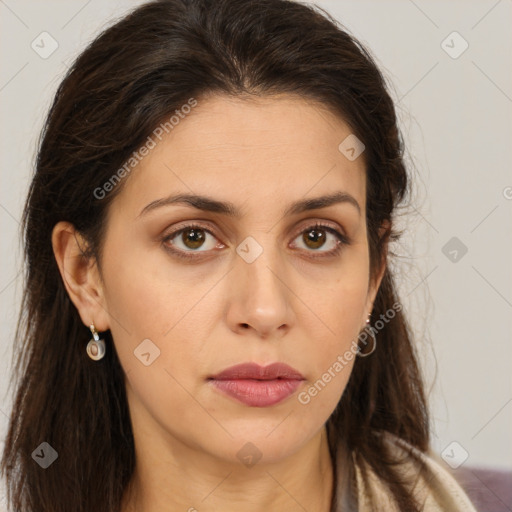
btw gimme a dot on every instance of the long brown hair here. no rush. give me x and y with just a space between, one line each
136 73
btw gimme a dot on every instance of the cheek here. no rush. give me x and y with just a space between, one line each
339 300
157 309
339 309
144 292
320 396
155 338
331 355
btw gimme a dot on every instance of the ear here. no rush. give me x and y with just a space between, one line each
374 285
80 275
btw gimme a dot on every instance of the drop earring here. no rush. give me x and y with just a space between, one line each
96 346
365 333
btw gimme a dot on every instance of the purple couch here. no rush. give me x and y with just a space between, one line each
490 490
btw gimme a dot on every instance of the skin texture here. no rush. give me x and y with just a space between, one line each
217 310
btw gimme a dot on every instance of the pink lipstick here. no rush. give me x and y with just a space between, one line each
258 386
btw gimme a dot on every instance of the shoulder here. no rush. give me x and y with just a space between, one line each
433 486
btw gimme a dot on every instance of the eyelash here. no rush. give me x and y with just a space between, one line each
190 255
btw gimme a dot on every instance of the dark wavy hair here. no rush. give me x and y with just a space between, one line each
136 73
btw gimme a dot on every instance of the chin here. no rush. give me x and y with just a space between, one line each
251 445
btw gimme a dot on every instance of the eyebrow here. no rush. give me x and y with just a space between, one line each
208 204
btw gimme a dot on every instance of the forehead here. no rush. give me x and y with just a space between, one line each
259 152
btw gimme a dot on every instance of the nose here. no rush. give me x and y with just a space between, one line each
259 297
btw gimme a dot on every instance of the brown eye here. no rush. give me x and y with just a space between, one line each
193 238
314 238
319 236
189 240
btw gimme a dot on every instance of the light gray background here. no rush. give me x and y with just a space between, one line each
455 114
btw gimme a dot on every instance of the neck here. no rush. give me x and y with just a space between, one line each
170 476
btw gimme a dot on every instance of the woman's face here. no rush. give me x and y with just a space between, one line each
259 285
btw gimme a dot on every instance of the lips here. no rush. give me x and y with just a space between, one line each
258 386
255 371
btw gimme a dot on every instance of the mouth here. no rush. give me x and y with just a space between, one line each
258 386
255 371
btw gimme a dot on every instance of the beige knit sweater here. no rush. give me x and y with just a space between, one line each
437 491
